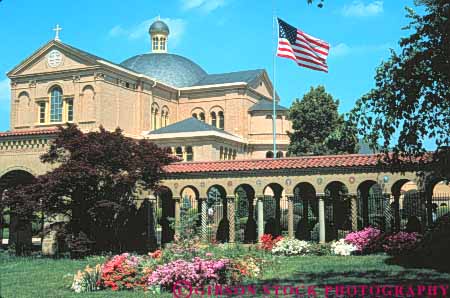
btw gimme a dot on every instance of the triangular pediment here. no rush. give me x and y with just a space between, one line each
53 57
263 85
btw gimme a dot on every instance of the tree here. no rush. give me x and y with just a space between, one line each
94 185
318 127
411 99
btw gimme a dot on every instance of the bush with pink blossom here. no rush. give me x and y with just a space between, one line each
198 272
367 240
401 242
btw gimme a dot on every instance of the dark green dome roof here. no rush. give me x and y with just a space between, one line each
159 26
171 69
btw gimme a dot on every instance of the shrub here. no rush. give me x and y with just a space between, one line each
121 272
267 241
400 243
198 272
242 269
320 249
367 240
342 248
290 247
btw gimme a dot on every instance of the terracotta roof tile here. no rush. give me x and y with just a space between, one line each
349 160
28 132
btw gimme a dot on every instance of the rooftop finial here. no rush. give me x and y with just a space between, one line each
57 29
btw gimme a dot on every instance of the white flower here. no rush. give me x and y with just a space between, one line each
291 246
342 248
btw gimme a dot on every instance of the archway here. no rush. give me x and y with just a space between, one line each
306 212
338 220
20 232
165 210
245 214
219 225
407 205
190 207
374 209
272 209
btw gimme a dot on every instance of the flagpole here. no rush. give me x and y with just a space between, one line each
274 115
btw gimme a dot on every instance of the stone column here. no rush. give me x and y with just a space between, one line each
397 211
321 218
177 214
204 219
231 218
387 212
260 218
290 199
354 211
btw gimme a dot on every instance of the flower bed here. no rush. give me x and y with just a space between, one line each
400 243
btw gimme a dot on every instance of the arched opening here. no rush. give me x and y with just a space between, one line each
190 208
272 209
306 212
279 154
213 119
406 204
179 152
219 224
19 232
189 153
202 116
194 115
441 199
373 208
338 216
221 120
245 214
56 104
269 154
164 212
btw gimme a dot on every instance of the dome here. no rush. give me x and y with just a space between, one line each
171 69
159 26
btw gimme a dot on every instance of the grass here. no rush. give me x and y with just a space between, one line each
41 277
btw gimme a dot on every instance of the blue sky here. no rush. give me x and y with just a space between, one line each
219 35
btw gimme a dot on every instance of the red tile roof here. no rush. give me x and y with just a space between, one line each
15 133
327 161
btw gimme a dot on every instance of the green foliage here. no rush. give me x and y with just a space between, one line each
411 99
94 184
318 127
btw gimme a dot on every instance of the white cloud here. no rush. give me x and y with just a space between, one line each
342 49
205 6
359 9
177 28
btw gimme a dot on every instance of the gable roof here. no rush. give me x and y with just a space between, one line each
246 76
265 105
190 124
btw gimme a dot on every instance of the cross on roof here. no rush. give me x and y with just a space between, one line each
57 29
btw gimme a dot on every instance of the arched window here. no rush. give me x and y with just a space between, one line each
213 119
269 154
221 120
179 152
221 153
234 154
155 43
56 105
195 115
155 118
164 116
279 154
225 154
202 116
189 154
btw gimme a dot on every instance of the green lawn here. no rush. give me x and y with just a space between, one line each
27 277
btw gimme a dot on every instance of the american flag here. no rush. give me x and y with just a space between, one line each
304 49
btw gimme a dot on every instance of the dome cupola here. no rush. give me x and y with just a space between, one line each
159 33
